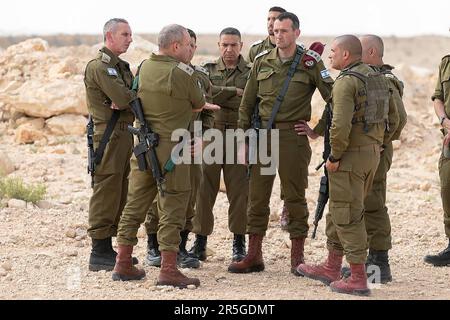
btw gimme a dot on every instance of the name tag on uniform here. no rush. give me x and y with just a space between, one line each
325 74
112 72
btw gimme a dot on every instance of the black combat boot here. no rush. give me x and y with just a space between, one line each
103 256
239 251
376 260
184 260
198 250
153 258
442 259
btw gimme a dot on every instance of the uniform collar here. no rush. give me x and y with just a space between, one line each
351 66
160 57
242 64
268 43
273 54
114 59
388 67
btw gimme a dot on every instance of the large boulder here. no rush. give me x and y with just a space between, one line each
6 165
30 131
67 124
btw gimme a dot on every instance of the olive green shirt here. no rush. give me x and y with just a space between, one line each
168 93
258 47
201 75
397 88
266 80
225 81
108 79
442 91
343 133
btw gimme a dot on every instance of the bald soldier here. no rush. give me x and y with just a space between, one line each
169 95
108 80
441 100
201 75
271 70
360 106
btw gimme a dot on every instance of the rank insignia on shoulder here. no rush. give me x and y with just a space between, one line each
185 68
112 72
325 74
202 70
262 54
106 58
257 42
389 75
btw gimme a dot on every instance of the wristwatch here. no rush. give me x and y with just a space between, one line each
333 159
442 120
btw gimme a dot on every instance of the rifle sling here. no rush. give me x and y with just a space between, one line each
106 136
284 89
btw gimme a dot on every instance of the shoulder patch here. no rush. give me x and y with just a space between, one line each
325 74
202 70
185 68
208 62
389 75
112 72
106 58
256 43
262 54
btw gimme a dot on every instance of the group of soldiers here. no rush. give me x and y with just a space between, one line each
279 77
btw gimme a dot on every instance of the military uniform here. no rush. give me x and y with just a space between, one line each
258 47
265 82
376 216
359 154
108 80
201 76
168 93
442 93
225 95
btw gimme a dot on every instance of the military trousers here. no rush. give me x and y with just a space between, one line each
110 185
236 182
378 223
152 219
171 206
349 186
444 174
293 161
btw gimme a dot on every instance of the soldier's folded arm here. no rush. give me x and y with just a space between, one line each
221 94
114 88
343 110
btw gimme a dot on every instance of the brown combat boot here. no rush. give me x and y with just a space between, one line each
170 275
297 257
253 262
124 269
284 218
355 285
327 272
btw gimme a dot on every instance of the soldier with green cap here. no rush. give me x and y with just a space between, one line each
360 125
271 71
441 99
206 117
108 80
169 94
228 75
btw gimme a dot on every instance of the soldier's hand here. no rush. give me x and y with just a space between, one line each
114 106
212 107
239 92
446 124
303 129
196 147
447 139
332 167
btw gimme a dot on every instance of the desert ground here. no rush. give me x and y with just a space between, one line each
44 248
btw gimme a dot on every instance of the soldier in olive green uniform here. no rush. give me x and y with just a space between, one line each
201 76
269 42
355 154
441 98
108 81
229 76
267 77
169 95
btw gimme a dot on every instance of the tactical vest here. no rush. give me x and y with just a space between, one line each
374 98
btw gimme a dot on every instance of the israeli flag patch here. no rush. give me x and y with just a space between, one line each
112 72
325 74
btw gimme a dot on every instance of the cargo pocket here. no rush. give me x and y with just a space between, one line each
340 212
340 188
265 82
109 164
